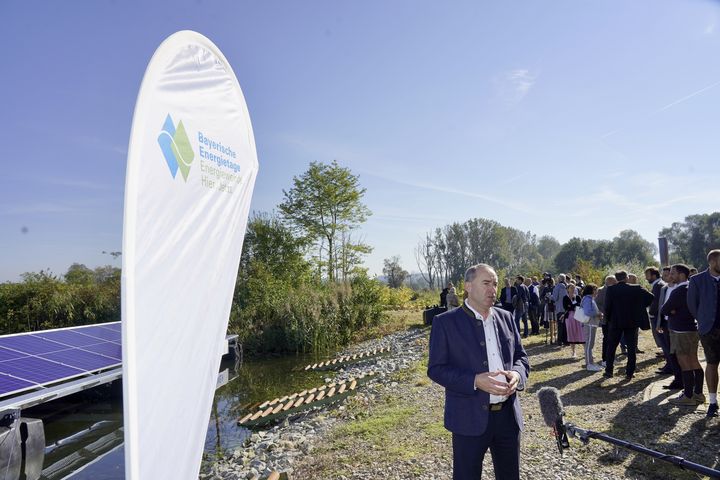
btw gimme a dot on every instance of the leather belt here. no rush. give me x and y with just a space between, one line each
496 407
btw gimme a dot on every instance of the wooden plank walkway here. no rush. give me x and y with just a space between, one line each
272 410
336 363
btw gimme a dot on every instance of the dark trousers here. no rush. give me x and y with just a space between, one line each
561 329
670 358
631 337
604 341
534 319
502 437
518 316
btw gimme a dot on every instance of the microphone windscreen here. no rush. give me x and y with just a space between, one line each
550 405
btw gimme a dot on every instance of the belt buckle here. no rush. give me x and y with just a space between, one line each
496 407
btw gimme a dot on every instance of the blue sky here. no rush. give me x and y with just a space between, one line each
563 118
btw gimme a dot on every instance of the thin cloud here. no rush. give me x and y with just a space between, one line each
687 97
437 188
665 107
522 81
711 27
514 85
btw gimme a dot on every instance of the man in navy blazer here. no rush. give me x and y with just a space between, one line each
477 355
703 298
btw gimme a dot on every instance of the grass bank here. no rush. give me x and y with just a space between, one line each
395 430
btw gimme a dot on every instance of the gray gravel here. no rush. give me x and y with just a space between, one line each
308 446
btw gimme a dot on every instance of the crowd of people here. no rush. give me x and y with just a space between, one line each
681 309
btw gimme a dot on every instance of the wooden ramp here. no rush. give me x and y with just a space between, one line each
347 360
272 410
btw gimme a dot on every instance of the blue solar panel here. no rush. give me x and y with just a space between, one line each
109 349
100 332
30 344
9 384
81 359
33 360
6 354
38 370
67 337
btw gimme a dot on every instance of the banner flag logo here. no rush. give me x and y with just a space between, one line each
176 147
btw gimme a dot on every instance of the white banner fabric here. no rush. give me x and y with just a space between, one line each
190 175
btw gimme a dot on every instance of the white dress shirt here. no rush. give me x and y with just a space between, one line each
492 346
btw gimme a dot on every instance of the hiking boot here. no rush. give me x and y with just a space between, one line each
699 398
683 401
712 410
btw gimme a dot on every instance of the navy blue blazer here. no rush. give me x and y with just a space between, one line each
457 354
702 300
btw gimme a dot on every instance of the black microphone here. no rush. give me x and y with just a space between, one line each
552 411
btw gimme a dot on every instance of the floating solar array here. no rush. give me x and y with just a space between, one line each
33 360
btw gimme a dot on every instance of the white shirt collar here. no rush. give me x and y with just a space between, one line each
656 280
682 283
477 314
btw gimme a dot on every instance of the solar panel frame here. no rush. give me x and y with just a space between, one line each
15 384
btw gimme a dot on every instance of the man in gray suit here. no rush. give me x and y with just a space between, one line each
652 275
704 303
559 292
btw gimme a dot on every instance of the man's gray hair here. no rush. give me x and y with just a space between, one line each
609 278
472 271
561 277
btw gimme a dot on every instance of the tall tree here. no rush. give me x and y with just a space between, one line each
80 274
629 246
324 202
425 257
572 252
394 272
350 257
690 240
548 246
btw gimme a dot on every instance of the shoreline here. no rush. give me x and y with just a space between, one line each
278 447
392 428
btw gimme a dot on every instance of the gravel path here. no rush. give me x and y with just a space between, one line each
393 427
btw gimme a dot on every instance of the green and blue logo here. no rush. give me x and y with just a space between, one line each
176 147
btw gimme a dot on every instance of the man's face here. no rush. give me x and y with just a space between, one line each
675 276
666 275
611 281
483 289
714 264
649 277
528 282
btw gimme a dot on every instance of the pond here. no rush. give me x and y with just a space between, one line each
84 432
